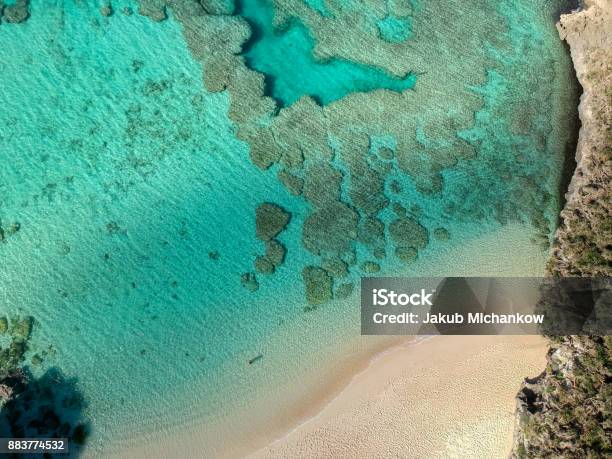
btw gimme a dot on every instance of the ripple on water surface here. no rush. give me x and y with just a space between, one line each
136 200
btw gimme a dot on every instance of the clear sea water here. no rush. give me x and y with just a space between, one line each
285 55
125 173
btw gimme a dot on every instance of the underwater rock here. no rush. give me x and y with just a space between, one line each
318 285
370 267
127 11
10 230
106 10
270 220
263 265
371 231
399 210
36 360
262 149
213 255
344 290
385 153
441 234
3 325
335 267
366 185
249 281
331 229
350 256
114 228
153 9
217 7
407 232
301 131
382 167
13 228
22 328
406 254
18 12
322 184
293 183
14 347
395 186
6 392
379 253
275 252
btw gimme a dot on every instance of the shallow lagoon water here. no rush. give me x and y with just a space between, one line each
285 56
125 174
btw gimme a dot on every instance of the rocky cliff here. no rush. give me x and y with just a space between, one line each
566 411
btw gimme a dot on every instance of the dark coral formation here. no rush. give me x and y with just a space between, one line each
318 285
270 220
17 12
273 257
441 234
331 230
407 254
407 232
344 290
8 230
567 410
153 9
263 265
106 9
250 282
19 331
275 252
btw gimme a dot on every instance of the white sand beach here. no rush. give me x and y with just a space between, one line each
448 396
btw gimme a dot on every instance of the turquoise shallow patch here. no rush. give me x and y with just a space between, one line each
395 30
319 6
285 57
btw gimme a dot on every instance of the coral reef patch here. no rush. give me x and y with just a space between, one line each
474 148
15 12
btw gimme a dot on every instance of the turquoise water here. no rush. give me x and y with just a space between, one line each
128 178
394 29
285 56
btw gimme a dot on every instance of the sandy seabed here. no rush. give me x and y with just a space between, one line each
445 396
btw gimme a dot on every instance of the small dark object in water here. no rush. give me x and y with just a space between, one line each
255 359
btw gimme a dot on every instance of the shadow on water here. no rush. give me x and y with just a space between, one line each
566 8
49 406
569 156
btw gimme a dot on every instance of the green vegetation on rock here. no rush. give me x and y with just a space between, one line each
567 411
